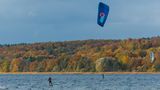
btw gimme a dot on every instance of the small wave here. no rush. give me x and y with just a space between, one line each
3 88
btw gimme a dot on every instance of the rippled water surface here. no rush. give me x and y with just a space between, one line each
80 82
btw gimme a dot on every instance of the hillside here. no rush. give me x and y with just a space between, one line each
82 56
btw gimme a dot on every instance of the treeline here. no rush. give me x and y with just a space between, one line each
82 56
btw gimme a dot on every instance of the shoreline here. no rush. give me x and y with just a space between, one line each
81 73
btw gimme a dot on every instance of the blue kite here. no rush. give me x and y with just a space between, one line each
103 11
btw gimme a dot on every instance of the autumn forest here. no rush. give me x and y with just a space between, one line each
82 56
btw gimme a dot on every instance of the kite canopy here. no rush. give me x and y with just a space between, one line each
103 11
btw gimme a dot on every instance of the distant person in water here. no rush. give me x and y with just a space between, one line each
103 76
50 81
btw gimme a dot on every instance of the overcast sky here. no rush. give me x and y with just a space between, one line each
59 20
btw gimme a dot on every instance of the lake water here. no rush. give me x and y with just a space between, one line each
80 82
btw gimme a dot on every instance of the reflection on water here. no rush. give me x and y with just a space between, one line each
80 82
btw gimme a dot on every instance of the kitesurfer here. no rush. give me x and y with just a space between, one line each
103 76
50 81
